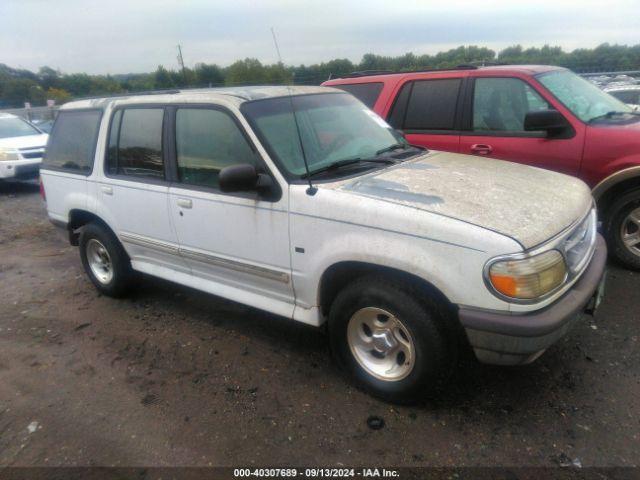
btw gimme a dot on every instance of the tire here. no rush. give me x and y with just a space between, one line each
98 242
617 223
422 324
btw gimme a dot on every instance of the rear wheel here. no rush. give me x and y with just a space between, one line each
622 229
104 260
391 339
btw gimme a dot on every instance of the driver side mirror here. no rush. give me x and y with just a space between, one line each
550 121
242 178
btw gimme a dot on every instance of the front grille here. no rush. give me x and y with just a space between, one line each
580 243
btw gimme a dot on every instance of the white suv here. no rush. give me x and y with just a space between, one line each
21 148
302 202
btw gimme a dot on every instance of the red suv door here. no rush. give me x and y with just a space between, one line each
428 111
494 126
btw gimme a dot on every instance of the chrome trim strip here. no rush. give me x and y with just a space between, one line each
149 243
235 265
206 258
31 149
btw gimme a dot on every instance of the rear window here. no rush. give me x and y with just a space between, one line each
73 141
367 93
432 105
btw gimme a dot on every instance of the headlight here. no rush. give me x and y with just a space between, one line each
6 155
528 278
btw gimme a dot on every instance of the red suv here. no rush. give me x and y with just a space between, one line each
539 115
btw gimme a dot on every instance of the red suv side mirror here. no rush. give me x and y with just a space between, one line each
550 121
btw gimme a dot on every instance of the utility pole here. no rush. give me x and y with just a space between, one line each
181 62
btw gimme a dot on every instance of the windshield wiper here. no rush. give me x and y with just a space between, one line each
345 163
391 148
612 113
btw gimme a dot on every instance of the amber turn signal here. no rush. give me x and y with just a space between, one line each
529 278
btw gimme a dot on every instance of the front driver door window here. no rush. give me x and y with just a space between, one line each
500 104
496 127
207 141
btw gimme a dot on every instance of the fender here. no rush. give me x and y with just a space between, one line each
614 179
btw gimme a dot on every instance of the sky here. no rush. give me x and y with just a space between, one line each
129 36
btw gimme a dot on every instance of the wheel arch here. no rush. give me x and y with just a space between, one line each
78 218
613 186
338 275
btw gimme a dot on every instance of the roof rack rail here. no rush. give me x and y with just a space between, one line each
130 94
366 73
484 63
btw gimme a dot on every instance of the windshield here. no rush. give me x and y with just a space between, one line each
334 127
583 98
16 127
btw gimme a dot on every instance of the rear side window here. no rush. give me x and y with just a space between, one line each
432 105
367 93
207 140
135 143
73 141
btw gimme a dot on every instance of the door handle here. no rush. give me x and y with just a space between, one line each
481 149
107 190
185 203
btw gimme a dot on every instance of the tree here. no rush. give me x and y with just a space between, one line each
48 77
209 75
163 78
59 95
247 71
17 91
18 85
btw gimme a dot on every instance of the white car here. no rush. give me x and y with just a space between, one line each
629 94
22 146
303 202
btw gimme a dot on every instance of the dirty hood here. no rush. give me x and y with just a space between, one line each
528 204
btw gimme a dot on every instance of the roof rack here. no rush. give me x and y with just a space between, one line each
130 94
484 63
366 73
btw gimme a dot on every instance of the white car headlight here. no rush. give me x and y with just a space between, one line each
528 278
7 155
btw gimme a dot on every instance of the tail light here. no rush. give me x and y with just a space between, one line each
42 192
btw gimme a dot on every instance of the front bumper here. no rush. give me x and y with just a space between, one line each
514 339
20 169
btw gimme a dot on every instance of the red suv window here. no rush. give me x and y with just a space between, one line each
367 93
426 105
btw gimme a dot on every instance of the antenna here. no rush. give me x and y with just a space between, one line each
311 190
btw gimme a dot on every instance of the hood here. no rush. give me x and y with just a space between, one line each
28 141
528 204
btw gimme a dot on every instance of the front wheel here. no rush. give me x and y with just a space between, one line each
622 229
391 339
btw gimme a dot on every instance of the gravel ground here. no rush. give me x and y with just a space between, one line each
172 376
